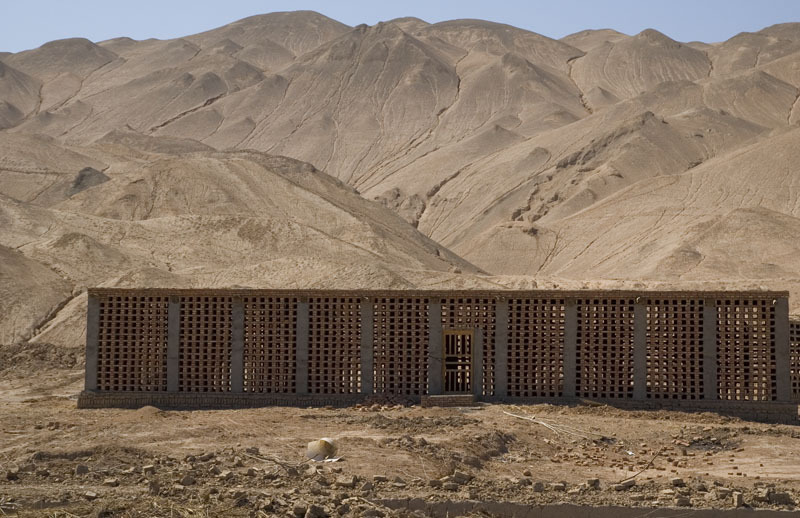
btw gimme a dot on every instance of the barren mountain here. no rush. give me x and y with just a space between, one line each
289 149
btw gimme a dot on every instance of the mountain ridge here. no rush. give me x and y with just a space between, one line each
289 149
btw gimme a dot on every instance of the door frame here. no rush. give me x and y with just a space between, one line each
461 331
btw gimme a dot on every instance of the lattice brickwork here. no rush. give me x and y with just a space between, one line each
400 339
746 350
536 347
675 348
604 355
132 347
794 359
474 312
204 363
334 357
270 331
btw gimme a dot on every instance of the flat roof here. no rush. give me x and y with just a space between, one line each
495 294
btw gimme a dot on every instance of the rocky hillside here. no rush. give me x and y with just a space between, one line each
413 152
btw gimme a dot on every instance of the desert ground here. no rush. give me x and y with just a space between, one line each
61 462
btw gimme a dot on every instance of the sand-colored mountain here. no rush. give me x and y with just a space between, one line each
206 218
597 159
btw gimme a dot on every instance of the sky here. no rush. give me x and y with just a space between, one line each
26 24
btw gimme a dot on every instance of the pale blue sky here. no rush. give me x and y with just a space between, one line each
29 23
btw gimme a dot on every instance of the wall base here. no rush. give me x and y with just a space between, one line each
448 400
764 411
211 401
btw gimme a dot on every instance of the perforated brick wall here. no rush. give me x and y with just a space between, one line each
604 348
132 343
746 349
674 348
536 347
794 358
400 345
204 363
474 313
133 334
334 345
270 335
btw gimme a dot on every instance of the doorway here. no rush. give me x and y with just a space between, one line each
458 352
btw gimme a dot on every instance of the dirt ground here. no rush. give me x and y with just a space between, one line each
56 460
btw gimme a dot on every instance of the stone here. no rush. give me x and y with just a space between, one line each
435 482
81 469
379 478
682 501
253 450
251 472
42 472
154 487
90 495
226 474
636 497
574 491
537 487
738 499
12 475
762 495
111 482
558 486
187 480
472 461
346 481
677 482
367 486
527 473
206 457
238 462
593 483
460 477
299 510
723 492
781 498
372 513
450 486
148 470
625 485
315 511
215 470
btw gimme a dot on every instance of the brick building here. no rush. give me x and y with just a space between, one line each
720 351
